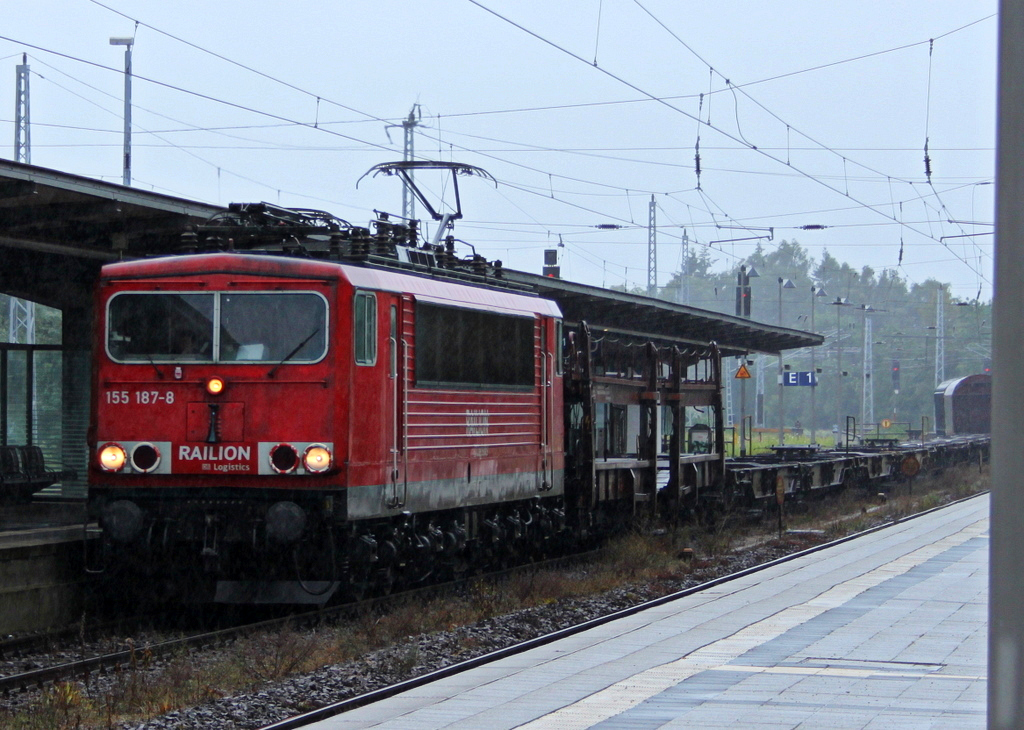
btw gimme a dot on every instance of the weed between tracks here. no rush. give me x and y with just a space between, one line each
646 565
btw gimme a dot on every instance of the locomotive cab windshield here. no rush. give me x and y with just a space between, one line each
257 327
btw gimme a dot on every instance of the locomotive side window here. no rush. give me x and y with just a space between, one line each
364 328
393 341
274 327
559 346
470 347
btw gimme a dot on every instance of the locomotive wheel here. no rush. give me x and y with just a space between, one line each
355 588
384 581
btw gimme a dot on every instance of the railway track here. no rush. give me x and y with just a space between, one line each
133 655
13 648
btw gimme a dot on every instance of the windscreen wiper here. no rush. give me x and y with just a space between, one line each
291 354
159 372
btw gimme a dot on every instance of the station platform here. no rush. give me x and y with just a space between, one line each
884 631
41 521
42 580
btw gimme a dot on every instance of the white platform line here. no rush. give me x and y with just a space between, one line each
845 672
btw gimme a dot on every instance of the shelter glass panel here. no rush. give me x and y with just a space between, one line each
16 407
47 396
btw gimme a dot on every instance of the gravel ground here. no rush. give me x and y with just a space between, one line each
71 650
422 654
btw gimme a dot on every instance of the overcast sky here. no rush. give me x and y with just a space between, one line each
808 113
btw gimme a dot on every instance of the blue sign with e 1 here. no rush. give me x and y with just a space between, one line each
797 377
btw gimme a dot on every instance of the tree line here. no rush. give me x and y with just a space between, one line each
901 318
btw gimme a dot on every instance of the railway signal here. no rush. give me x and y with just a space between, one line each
551 268
896 376
742 301
743 290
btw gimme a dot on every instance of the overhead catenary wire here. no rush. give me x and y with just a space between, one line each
206 97
295 123
677 110
551 188
927 159
197 94
370 116
928 171
181 148
231 61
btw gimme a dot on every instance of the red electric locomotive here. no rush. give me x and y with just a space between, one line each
271 428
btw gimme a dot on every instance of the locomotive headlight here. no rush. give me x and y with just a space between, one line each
284 458
112 457
145 457
317 459
215 386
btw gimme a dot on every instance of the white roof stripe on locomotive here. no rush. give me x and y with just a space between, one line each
449 293
461 304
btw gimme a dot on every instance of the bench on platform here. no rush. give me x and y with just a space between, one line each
23 472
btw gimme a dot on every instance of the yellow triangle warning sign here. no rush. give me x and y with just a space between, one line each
743 372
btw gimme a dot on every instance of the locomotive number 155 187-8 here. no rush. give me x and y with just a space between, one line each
138 397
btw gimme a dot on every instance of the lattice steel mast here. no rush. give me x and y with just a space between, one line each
940 337
652 248
22 130
867 402
408 154
21 315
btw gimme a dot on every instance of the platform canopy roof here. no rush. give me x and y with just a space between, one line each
649 317
57 229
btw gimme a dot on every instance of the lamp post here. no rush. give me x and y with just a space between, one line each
743 310
867 396
939 353
783 284
815 293
126 177
839 303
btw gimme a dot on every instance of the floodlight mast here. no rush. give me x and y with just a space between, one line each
126 175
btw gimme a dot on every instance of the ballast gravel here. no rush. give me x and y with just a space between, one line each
423 654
